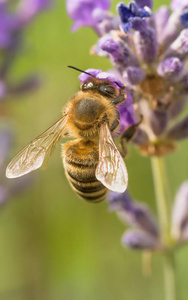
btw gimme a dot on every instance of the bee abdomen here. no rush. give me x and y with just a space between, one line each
80 171
89 189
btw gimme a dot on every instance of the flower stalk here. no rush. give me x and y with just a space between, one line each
164 212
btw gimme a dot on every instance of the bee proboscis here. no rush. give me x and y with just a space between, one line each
92 161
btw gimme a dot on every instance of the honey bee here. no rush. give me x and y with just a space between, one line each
93 164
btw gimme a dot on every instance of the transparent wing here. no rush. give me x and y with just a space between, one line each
111 170
32 156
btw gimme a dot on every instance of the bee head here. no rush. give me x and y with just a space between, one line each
97 81
103 87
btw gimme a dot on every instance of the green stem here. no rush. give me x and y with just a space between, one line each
164 211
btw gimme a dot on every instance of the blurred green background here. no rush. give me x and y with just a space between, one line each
54 245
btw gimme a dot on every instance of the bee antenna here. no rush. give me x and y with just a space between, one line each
119 85
80 70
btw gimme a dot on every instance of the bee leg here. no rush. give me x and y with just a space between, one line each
118 99
104 119
123 147
126 137
114 125
116 122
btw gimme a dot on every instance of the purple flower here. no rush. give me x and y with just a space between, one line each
184 18
87 12
120 54
150 61
8 26
180 215
178 5
3 90
6 136
127 116
143 3
170 67
12 22
131 13
9 189
179 48
180 212
134 75
145 233
28 9
97 73
179 131
134 213
139 240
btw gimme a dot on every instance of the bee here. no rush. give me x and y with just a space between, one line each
92 162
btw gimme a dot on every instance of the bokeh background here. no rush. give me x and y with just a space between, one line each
54 245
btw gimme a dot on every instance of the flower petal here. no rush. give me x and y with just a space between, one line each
6 136
178 4
126 111
83 76
139 240
180 211
179 131
101 75
159 121
128 13
170 68
179 48
85 12
134 75
134 213
143 3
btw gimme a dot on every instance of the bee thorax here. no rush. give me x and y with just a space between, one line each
87 111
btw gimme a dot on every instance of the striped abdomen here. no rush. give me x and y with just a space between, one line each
80 159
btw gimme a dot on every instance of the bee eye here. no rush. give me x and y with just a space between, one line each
87 85
107 89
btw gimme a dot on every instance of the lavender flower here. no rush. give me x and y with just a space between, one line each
9 189
93 14
12 23
6 135
87 13
12 27
28 9
144 233
139 240
148 53
180 214
101 75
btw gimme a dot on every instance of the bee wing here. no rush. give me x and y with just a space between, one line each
32 156
111 170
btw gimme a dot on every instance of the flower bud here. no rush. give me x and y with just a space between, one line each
134 213
170 68
179 48
180 212
6 135
179 131
159 121
134 75
139 240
